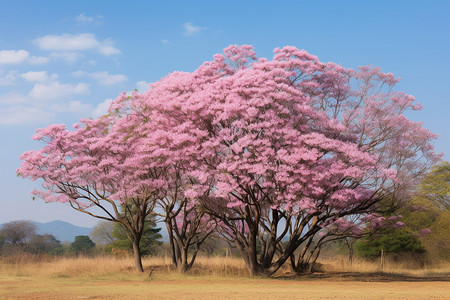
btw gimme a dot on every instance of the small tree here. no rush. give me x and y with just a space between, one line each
17 233
148 243
45 243
428 214
396 241
103 233
435 187
437 242
82 245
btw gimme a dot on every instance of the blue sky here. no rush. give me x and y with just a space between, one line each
63 60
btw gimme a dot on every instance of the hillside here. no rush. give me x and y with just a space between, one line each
63 231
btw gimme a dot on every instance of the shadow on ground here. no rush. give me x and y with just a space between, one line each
367 277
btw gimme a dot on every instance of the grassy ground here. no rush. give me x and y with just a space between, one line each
214 278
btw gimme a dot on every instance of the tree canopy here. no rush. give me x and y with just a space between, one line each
265 150
436 186
17 232
82 245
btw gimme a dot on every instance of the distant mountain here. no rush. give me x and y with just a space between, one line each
63 231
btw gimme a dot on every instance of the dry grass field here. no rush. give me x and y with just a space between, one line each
25 277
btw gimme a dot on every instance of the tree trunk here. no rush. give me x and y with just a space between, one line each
249 253
137 256
172 243
252 265
350 254
183 267
301 266
251 262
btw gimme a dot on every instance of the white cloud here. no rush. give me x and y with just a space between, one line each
20 56
76 42
78 73
55 90
75 106
92 62
40 76
190 29
13 56
107 48
104 78
78 106
142 85
44 102
38 60
101 109
83 19
165 41
20 109
69 57
19 115
13 98
8 79
67 42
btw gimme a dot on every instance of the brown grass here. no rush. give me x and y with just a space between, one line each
30 277
29 265
25 264
405 267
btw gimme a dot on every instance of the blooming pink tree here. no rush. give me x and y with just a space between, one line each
271 149
286 147
100 170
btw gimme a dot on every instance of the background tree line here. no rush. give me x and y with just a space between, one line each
20 236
